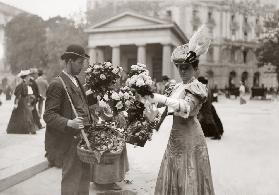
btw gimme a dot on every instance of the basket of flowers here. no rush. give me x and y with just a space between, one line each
106 137
106 141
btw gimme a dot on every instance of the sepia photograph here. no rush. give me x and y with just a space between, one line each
139 97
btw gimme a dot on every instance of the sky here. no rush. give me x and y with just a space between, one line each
49 8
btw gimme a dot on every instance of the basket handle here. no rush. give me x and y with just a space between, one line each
76 115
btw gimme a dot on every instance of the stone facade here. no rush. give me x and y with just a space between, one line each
234 27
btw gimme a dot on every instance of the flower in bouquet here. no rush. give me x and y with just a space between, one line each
102 76
138 69
141 83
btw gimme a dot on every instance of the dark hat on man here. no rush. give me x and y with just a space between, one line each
77 50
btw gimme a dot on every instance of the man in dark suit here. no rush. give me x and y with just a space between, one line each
35 88
63 127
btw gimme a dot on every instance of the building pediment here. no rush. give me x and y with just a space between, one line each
126 20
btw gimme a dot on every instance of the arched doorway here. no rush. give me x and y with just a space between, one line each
232 77
256 79
244 77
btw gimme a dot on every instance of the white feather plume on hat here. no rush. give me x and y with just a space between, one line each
200 41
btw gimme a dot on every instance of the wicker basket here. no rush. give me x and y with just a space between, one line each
91 157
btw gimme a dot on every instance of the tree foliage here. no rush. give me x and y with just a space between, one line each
25 42
32 42
60 33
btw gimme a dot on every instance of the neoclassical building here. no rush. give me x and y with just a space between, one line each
150 31
129 38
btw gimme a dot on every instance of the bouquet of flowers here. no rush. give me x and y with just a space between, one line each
140 127
116 102
139 80
102 76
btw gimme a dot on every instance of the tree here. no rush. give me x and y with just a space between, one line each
60 33
25 42
268 50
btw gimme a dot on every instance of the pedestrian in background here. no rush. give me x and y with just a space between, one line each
21 121
242 93
35 88
42 85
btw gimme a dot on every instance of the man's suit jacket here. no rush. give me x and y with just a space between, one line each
58 110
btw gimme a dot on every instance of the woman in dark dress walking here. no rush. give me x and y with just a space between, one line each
21 121
208 117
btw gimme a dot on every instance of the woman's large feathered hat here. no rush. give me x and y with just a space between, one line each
190 52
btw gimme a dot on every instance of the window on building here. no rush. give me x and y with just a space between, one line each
195 13
245 34
245 20
233 32
169 14
244 56
195 27
257 20
209 15
210 54
232 18
233 55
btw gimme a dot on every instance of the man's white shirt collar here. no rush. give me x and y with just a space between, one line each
73 79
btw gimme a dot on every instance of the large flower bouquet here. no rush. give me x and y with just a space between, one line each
139 80
115 102
140 127
102 76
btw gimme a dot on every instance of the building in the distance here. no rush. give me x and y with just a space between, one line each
234 27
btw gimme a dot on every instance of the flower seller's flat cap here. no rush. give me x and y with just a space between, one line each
77 50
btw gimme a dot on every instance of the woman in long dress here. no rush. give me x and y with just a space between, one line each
21 121
185 168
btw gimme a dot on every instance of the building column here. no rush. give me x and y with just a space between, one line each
141 56
93 55
167 68
116 55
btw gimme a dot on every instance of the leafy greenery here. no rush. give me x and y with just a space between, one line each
25 42
32 42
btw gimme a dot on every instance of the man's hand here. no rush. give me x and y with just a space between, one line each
76 123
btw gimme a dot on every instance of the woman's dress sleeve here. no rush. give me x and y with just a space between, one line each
195 95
